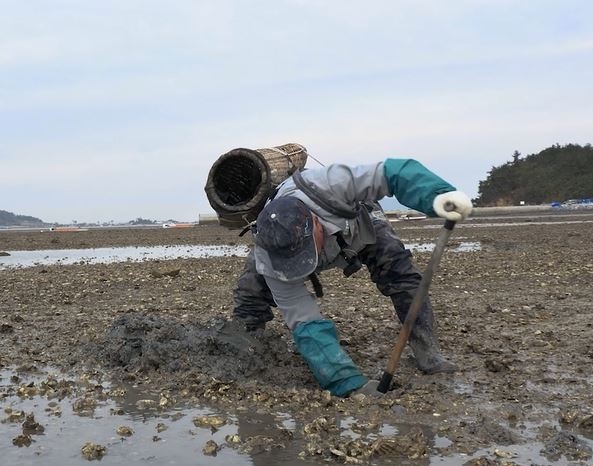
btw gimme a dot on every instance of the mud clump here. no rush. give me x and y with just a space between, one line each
491 431
566 444
92 451
31 426
220 348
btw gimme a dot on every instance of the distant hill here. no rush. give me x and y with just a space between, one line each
8 219
557 173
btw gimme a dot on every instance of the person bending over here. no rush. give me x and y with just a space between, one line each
329 217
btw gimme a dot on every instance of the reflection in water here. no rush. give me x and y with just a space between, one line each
162 435
158 436
466 246
135 425
142 253
113 255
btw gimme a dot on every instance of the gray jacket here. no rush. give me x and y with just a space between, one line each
344 187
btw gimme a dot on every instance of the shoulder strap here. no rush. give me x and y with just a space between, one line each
300 183
317 286
251 225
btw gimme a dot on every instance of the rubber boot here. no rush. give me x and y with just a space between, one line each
426 352
251 324
424 343
253 299
318 344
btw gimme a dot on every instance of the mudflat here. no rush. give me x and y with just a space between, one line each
513 311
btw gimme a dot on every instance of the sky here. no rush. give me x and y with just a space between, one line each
116 109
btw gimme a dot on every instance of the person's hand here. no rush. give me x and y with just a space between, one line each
454 205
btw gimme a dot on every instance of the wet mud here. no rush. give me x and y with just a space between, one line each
221 349
515 316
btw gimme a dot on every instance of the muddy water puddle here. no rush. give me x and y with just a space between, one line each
51 419
114 255
138 253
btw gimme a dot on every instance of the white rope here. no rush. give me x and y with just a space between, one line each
316 160
285 154
288 154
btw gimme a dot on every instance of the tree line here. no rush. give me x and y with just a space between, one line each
557 173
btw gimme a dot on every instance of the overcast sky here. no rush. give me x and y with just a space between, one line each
112 110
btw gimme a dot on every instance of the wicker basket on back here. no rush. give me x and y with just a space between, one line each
240 181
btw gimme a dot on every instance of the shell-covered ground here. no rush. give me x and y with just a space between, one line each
514 313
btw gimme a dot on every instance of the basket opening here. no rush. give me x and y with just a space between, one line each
237 179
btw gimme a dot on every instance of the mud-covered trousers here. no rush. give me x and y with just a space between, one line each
390 267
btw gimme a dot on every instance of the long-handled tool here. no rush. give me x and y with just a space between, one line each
417 302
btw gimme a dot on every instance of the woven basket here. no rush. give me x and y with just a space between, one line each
240 181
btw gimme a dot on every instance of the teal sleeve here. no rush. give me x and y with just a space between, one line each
414 185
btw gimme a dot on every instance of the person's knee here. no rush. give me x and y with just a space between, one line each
300 316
